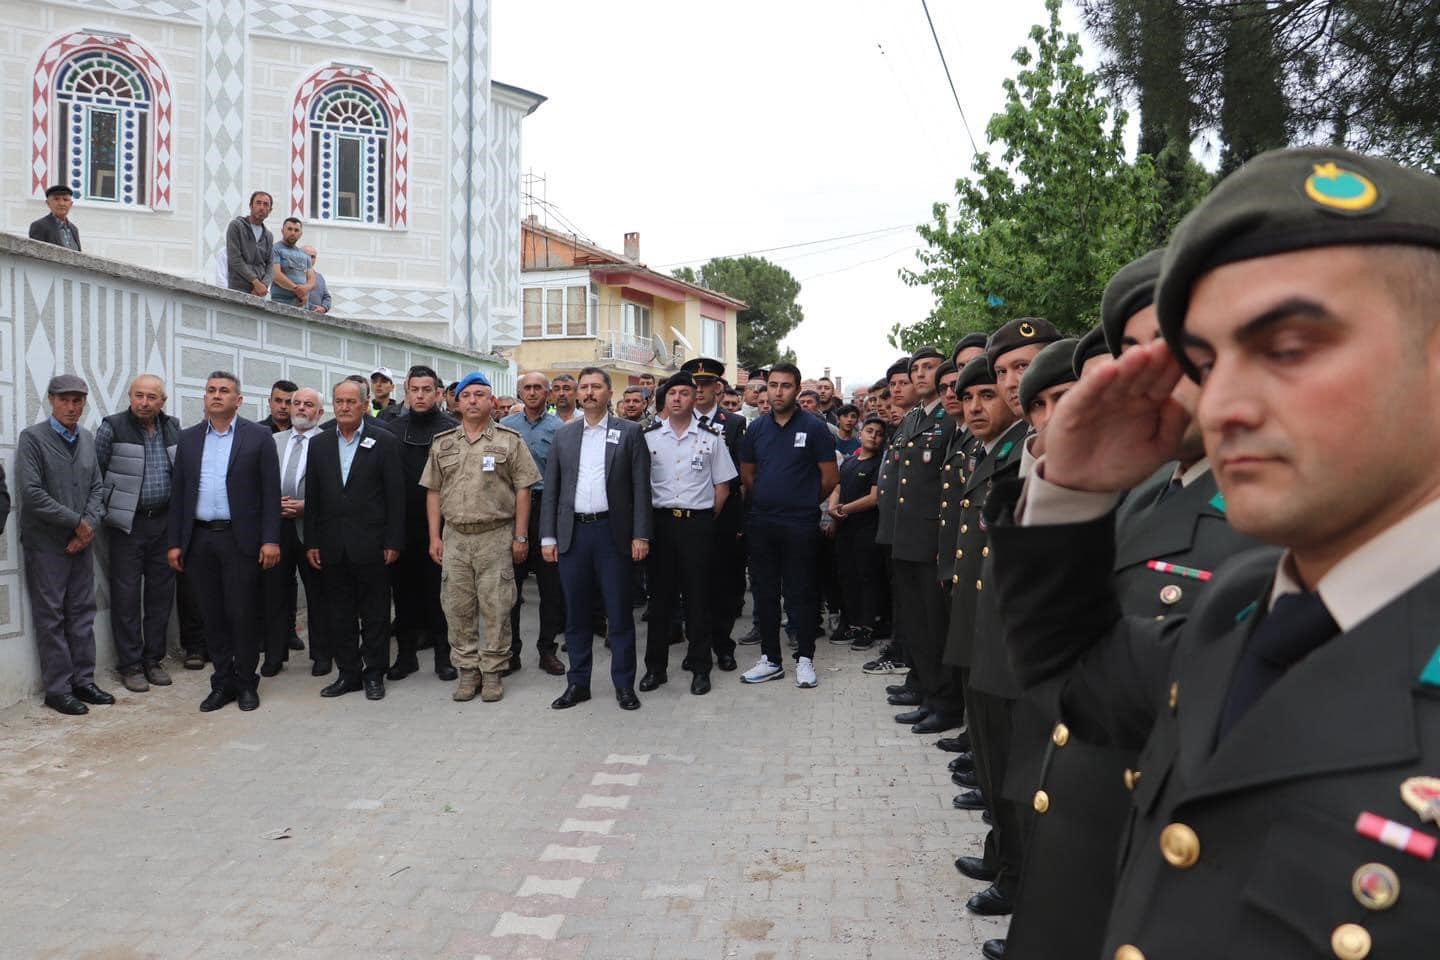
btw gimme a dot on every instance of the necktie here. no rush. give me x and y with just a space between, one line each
292 467
1296 625
704 419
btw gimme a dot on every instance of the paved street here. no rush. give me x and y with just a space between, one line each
757 823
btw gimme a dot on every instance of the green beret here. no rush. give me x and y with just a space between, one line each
1020 333
968 341
1289 200
1090 345
1131 290
925 353
974 374
1052 366
899 366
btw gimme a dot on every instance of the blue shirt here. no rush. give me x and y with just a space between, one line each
212 502
847 447
538 437
294 263
347 450
787 467
66 434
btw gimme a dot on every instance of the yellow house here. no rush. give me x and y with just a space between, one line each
583 305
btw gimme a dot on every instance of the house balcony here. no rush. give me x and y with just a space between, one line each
639 351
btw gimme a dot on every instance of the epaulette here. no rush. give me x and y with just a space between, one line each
653 426
712 428
444 433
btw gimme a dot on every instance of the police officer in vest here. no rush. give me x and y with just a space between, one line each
136 452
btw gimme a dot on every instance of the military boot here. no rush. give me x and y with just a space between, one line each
468 686
494 687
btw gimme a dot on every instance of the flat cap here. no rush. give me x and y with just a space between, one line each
1023 332
1051 367
704 368
67 383
968 341
974 374
1091 345
681 379
925 353
1288 200
58 190
899 366
1131 290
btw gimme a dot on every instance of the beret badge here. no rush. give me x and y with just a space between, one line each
1336 188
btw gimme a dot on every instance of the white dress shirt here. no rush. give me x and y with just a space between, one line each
590 495
686 468
301 450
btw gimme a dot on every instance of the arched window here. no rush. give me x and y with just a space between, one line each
102 117
349 153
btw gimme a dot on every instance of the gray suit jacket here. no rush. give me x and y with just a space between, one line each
627 484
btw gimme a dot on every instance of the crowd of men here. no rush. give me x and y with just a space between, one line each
1168 590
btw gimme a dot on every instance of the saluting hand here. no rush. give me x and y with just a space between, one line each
1118 425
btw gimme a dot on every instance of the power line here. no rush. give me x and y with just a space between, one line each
948 78
788 246
826 273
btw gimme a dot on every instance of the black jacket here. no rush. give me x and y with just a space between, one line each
361 518
252 481
47 230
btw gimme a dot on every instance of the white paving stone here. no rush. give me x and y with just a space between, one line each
518 925
628 759
555 851
545 887
615 780
609 803
602 827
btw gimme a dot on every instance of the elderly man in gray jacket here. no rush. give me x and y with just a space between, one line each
62 501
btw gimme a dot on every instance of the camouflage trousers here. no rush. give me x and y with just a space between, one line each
477 590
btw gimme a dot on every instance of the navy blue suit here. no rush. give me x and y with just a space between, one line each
224 564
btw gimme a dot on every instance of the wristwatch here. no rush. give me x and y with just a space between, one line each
522 539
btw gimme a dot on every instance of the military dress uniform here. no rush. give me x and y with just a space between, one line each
478 481
887 499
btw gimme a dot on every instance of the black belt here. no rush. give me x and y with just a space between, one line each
679 513
151 512
592 517
213 524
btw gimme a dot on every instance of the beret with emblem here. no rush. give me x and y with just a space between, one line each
1289 200
899 366
681 379
1091 345
703 368
1023 332
1131 290
1051 367
974 374
968 341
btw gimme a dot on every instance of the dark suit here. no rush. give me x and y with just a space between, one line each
1069 876
352 522
596 552
47 230
223 563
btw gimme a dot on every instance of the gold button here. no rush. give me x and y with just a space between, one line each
904 481
947 468
1350 941
942 523
959 554
964 528
1179 846
955 579
1174 694
1132 777
1170 594
978 585
907 463
984 551
945 486
1127 952
1060 735
910 444
1042 801
902 499
1376 887
965 504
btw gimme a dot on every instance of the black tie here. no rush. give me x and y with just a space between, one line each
1296 625
704 419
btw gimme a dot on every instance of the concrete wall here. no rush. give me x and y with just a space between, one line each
62 312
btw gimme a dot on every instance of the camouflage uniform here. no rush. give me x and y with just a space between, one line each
477 481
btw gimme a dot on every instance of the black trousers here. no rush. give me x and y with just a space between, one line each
782 562
358 597
990 734
192 618
281 599
921 608
681 561
227 584
547 578
142 590
860 562
416 581
727 584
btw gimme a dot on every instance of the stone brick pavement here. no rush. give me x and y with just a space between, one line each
757 823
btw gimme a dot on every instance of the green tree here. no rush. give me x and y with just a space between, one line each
770 291
1040 229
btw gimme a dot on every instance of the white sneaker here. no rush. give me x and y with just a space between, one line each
762 671
805 674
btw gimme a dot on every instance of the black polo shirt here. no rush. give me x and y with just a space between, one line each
787 467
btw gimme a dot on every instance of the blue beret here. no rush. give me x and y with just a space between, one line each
469 380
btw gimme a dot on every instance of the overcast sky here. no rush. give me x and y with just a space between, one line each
717 129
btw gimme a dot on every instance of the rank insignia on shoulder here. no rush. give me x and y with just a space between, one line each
1430 676
1422 794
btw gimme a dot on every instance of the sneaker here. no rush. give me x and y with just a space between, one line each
843 636
805 674
751 638
762 671
891 651
880 666
862 639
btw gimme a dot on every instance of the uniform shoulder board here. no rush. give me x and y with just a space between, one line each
654 426
445 433
711 428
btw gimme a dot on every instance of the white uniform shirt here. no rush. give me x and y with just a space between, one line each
685 469
590 495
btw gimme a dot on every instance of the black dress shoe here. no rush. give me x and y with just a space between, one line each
268 669
374 688
248 699
962 763
627 699
912 716
446 672
959 743
989 903
969 800
905 698
652 680
552 665
700 684
321 668
993 950
66 703
342 686
572 695
216 700
935 723
402 669
895 689
965 778
975 868
726 662
295 642
90 693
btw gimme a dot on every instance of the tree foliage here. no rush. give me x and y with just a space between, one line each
771 292
1040 229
